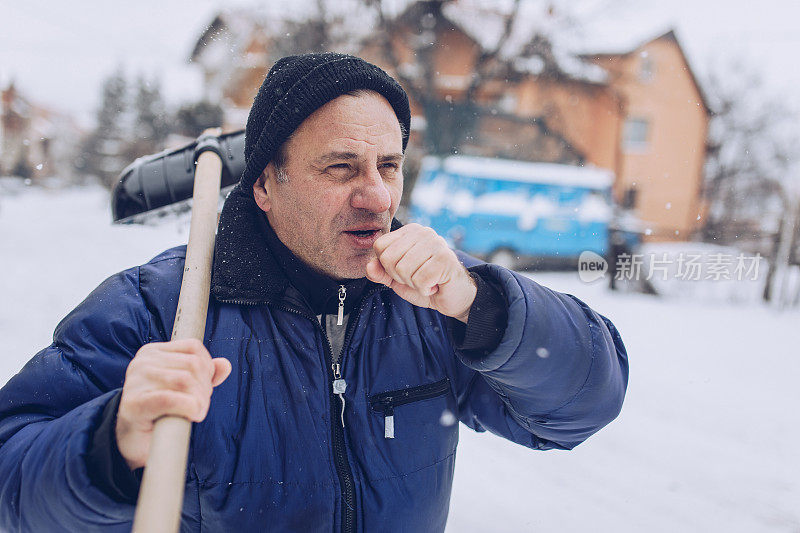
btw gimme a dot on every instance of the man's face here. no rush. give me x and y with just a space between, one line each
345 179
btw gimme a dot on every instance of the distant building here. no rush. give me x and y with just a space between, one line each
638 112
233 53
662 138
35 142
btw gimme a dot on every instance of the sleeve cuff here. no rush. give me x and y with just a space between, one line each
107 469
487 320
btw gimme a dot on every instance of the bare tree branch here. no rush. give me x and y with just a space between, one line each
387 28
487 58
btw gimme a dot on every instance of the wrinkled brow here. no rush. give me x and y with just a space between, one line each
349 156
397 158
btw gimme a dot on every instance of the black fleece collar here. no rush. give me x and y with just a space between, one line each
320 292
252 266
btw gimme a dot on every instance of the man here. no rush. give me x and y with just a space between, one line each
340 347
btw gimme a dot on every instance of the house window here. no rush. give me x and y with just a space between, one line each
507 102
629 198
635 134
646 69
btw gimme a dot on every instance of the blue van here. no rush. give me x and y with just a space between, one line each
511 212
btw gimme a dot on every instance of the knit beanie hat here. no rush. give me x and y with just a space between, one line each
298 85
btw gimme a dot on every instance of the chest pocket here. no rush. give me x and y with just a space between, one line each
385 403
408 430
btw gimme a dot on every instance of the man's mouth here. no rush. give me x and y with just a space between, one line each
363 238
363 232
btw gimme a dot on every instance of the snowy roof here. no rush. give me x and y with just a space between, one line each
237 26
632 47
485 25
613 41
523 171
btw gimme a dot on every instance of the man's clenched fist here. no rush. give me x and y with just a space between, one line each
164 378
417 264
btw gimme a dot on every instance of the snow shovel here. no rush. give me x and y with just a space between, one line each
153 182
158 185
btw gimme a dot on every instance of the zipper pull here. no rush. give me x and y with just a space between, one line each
342 296
388 419
339 386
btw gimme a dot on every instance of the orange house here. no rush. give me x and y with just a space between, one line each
662 144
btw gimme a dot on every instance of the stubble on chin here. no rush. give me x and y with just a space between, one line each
355 266
337 262
336 259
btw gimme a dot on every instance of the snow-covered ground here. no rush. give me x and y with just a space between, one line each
706 440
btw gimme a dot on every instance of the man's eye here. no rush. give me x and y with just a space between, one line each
340 166
393 166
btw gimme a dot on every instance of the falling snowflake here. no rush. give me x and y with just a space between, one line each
447 419
543 352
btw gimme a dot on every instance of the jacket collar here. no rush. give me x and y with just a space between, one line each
251 264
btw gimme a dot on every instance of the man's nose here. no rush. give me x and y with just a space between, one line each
372 193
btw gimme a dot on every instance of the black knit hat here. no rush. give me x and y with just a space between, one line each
295 87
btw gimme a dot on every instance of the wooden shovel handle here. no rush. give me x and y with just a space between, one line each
161 494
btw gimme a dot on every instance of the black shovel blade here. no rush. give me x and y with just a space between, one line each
163 182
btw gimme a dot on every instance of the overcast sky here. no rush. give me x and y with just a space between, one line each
59 52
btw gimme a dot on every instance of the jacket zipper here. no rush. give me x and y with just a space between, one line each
342 296
339 451
339 384
385 402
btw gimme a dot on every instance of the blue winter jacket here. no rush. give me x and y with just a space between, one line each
272 453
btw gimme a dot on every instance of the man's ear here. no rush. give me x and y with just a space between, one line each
261 188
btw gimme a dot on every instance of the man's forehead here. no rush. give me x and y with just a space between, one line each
363 124
366 112
357 145
351 124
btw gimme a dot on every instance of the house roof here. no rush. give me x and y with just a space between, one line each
239 26
484 25
666 35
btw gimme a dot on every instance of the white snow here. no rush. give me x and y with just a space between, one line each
704 272
483 23
602 41
706 441
594 207
55 247
430 196
539 207
434 196
437 194
524 171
